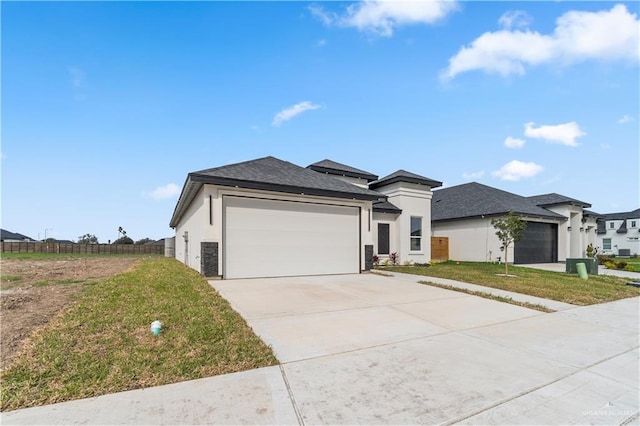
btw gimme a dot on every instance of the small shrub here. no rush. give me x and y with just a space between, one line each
602 259
609 264
395 258
386 262
376 260
621 265
408 263
629 268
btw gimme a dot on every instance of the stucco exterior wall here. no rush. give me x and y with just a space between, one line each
190 232
472 240
574 234
415 201
203 227
629 240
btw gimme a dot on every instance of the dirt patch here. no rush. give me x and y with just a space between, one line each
34 291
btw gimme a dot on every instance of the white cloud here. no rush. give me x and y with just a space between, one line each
605 146
473 175
514 19
382 17
510 142
169 190
626 119
565 134
516 170
579 36
288 113
321 43
321 15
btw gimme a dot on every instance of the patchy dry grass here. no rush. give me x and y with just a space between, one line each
558 286
63 256
102 342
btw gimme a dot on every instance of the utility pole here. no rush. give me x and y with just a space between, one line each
45 237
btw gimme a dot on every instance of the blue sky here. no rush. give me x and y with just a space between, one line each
107 106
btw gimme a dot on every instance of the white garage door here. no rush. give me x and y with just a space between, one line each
267 238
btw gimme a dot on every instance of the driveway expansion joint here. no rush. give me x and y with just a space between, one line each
292 398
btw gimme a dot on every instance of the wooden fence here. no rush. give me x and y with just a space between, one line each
439 249
72 248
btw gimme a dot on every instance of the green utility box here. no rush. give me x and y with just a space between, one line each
590 263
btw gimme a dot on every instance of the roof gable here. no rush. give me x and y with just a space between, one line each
475 200
335 168
404 176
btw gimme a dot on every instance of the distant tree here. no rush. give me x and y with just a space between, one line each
509 229
123 240
144 240
87 239
121 232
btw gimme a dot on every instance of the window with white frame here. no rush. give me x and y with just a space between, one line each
633 224
416 233
612 225
606 243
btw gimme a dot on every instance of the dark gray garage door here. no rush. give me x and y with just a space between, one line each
538 245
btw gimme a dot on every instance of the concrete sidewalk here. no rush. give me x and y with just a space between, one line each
367 349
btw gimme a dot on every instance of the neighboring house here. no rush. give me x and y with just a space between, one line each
9 237
618 233
558 227
269 218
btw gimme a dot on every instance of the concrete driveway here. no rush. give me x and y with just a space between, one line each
368 349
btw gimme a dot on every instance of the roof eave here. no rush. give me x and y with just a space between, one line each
189 191
383 210
491 215
428 182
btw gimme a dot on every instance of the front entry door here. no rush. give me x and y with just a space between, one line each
383 238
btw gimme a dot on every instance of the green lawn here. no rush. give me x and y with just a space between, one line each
549 285
102 343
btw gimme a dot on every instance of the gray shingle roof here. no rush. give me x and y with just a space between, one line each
404 176
273 174
8 235
555 199
591 213
335 168
385 207
474 200
635 214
